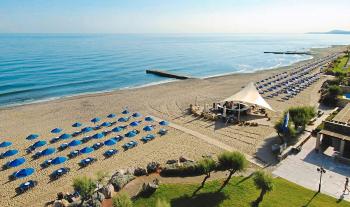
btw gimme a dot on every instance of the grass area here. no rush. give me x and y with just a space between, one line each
340 66
239 192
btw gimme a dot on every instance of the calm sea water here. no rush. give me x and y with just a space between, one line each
35 67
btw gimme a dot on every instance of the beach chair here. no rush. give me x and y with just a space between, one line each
54 140
118 138
73 154
46 163
24 187
37 155
59 173
63 147
86 139
87 161
162 132
110 153
97 145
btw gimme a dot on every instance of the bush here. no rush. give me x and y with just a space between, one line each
334 90
300 116
85 186
122 200
187 168
234 161
291 132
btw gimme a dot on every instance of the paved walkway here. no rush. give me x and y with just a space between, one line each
302 169
213 141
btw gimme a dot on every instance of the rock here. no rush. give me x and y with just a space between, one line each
152 167
149 188
97 197
107 191
140 171
185 159
169 162
119 180
60 203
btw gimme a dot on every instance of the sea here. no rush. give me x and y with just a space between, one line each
41 67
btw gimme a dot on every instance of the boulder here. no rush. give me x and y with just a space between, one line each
185 159
152 167
119 180
140 171
148 189
169 162
107 190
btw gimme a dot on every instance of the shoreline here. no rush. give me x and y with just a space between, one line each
168 101
81 95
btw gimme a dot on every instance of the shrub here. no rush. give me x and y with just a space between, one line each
122 200
291 132
334 90
300 116
85 186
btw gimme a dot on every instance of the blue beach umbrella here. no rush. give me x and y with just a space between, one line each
117 129
5 144
130 134
137 114
164 123
134 123
148 128
48 151
65 136
9 153
87 150
285 123
16 162
39 143
106 124
95 120
111 116
56 130
24 173
87 129
123 119
74 143
32 136
77 124
98 136
125 111
58 160
148 118
110 142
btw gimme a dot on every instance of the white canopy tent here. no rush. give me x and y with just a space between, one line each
249 95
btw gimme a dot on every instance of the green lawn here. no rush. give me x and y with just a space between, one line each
239 192
340 66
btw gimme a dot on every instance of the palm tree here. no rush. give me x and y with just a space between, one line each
233 162
264 182
85 186
206 166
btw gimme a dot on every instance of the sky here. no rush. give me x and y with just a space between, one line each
173 16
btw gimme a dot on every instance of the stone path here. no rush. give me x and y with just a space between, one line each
302 170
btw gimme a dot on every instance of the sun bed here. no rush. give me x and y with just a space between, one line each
24 187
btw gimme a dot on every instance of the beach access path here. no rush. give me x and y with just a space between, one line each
213 141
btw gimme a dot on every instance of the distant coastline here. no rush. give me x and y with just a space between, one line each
332 32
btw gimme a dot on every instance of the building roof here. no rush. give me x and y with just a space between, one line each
343 115
335 134
249 95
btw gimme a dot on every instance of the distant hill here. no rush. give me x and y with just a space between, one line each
331 32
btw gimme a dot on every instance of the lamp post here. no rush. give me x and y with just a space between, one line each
321 170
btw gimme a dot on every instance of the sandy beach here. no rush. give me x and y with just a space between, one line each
168 101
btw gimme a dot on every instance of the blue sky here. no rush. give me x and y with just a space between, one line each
176 16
